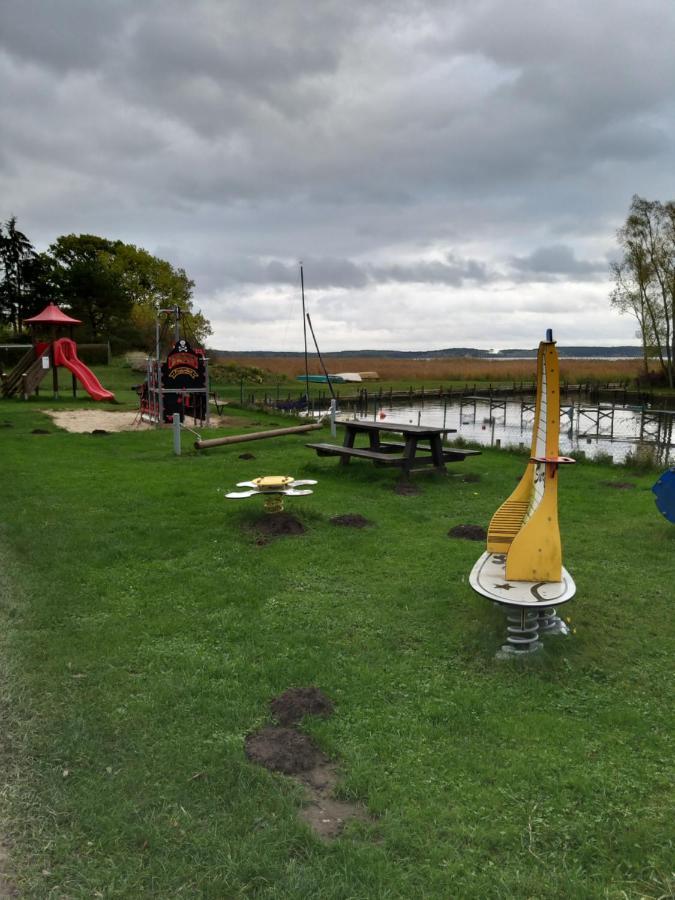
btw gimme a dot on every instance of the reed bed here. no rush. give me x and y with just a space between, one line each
448 369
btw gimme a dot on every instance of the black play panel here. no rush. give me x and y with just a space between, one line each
184 370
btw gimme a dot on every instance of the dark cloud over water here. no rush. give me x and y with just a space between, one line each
449 173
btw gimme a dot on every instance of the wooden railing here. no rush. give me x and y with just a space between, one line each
32 377
12 382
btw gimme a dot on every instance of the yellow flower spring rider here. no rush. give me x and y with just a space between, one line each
273 488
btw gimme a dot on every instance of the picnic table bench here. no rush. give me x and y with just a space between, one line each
407 455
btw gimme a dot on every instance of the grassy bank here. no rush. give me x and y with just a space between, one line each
145 628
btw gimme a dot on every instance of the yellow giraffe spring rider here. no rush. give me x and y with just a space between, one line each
522 567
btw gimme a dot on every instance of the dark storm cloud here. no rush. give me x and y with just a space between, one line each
333 273
62 36
391 145
558 261
452 272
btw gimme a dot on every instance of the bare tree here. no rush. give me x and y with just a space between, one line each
644 279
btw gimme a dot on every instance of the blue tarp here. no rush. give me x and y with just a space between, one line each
665 494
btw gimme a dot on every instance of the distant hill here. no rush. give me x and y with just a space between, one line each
450 352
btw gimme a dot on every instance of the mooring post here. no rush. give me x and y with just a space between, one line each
333 410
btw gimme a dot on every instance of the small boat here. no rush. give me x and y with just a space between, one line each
320 379
347 376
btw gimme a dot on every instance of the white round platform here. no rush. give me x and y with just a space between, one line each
488 578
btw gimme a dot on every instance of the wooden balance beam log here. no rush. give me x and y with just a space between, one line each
255 436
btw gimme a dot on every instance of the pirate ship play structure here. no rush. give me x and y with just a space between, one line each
522 566
51 350
179 385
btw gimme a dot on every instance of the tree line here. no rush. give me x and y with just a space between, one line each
113 287
644 279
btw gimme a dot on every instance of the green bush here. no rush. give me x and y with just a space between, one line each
644 458
232 373
603 458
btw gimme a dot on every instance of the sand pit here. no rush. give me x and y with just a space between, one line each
84 421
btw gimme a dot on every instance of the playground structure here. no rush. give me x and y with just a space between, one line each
273 488
522 566
49 355
179 386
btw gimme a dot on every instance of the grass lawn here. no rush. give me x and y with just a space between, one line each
144 630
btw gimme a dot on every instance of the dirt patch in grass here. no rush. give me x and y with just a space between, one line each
619 485
470 478
231 422
275 525
283 750
293 753
351 520
40 431
289 708
406 489
325 815
468 532
246 456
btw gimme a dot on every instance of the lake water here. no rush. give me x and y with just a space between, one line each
604 429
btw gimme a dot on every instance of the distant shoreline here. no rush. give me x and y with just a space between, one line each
608 353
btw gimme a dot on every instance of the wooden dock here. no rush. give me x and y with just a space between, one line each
366 398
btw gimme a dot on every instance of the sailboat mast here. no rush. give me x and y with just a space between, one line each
304 330
318 353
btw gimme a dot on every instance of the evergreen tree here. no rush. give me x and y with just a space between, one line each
16 251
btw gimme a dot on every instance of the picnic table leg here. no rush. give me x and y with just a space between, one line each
348 441
409 452
350 434
374 440
437 453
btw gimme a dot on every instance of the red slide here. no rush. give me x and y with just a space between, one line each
65 354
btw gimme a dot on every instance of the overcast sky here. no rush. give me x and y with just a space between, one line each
451 173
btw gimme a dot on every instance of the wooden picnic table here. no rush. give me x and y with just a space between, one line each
408 454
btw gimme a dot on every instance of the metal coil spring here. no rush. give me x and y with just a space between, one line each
522 630
550 622
547 619
274 503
